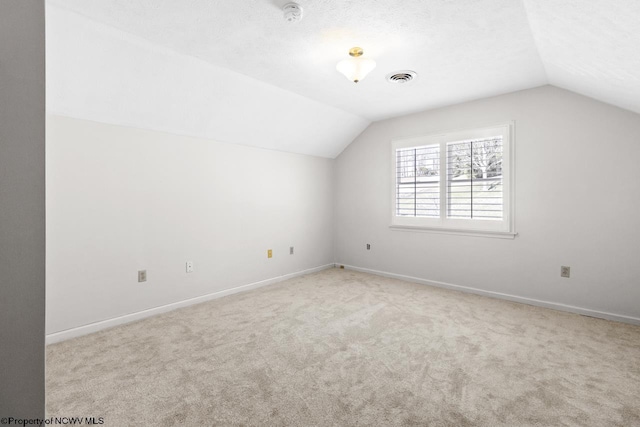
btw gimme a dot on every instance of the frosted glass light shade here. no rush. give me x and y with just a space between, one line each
356 69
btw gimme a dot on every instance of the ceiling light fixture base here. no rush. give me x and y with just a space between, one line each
356 52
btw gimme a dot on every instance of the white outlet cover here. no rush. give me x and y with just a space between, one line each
189 266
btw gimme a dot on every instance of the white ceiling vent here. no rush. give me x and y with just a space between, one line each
404 76
292 12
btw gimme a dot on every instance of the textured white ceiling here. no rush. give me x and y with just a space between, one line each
461 49
99 73
590 47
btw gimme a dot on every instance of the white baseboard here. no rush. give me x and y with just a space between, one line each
109 323
514 298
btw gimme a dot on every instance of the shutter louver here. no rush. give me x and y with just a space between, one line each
474 179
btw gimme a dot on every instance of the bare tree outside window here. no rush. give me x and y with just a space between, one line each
474 170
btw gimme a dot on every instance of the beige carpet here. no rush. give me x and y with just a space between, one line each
341 348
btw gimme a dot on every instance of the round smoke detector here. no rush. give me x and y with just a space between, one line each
292 12
404 76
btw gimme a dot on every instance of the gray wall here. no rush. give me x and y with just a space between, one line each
577 202
22 208
121 199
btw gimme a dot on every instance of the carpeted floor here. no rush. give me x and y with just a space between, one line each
341 348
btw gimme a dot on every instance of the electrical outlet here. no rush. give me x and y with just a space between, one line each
269 253
142 275
565 271
291 250
189 266
368 247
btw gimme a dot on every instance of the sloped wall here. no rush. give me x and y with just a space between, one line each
96 72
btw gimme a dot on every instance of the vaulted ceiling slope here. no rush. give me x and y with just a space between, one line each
591 47
236 71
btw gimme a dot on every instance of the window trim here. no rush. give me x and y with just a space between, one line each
485 228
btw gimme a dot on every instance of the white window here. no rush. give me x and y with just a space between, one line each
459 182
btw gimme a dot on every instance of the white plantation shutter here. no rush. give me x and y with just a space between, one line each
418 181
460 182
474 179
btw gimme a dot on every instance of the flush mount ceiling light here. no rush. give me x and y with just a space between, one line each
356 67
292 12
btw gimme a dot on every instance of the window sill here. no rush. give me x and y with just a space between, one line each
460 232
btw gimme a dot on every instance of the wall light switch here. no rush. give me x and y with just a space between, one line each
189 266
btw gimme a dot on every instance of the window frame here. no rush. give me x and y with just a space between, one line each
504 228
